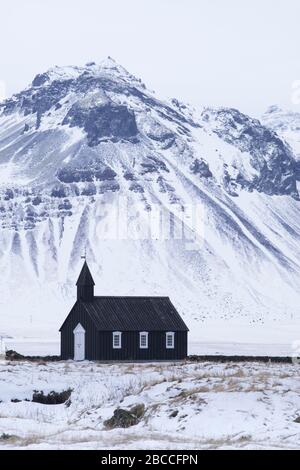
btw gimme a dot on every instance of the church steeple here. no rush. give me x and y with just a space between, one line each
85 284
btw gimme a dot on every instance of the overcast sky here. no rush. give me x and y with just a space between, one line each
236 53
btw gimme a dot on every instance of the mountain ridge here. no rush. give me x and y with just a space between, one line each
79 140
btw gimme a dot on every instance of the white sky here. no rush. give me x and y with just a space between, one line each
240 53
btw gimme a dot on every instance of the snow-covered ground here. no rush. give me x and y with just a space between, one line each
33 346
192 406
39 347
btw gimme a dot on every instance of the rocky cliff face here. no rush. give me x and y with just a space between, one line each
80 142
271 160
287 125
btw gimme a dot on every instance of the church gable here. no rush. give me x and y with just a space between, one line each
121 328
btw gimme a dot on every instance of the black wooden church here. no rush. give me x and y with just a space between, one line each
121 328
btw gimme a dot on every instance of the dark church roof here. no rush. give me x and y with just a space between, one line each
85 277
111 313
134 314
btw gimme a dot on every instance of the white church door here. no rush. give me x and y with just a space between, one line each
79 343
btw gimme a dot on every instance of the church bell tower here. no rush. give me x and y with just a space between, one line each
85 284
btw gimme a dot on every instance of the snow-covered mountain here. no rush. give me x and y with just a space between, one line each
202 205
286 124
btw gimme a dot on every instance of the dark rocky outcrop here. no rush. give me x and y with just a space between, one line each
129 176
270 156
136 188
106 121
225 359
65 205
152 165
9 194
11 355
38 100
36 201
125 418
201 168
52 398
59 191
40 79
88 174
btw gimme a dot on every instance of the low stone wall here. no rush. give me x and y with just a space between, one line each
264 359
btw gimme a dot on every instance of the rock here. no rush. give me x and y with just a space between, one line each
201 168
84 174
274 169
136 188
124 418
52 398
121 419
9 194
59 191
11 355
129 176
110 120
6 437
152 165
40 79
297 420
37 201
26 128
65 205
138 410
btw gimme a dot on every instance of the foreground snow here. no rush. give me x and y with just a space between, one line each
203 406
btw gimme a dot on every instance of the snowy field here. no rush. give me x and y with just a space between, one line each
40 347
187 406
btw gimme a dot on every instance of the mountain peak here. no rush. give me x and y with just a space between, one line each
107 66
109 62
99 104
82 139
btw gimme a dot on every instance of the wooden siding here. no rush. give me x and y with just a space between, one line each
99 346
79 315
85 293
131 347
